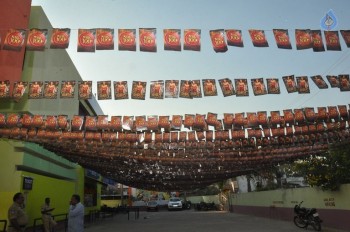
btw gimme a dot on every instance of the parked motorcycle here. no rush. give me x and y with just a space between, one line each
305 217
206 206
186 204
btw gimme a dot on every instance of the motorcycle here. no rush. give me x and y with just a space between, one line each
186 204
206 206
305 217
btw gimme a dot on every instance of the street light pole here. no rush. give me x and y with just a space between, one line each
121 194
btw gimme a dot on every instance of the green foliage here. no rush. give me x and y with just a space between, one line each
329 170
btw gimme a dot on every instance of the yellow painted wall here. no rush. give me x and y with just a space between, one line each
99 188
60 192
79 188
98 194
111 203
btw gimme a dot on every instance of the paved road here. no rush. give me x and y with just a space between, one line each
192 221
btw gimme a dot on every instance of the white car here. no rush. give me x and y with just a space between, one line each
174 203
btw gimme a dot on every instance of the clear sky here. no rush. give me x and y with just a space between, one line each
248 62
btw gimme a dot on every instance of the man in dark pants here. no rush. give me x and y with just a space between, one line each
16 214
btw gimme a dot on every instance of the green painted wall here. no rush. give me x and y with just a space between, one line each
52 65
9 177
42 160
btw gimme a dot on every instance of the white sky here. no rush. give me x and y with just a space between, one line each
248 62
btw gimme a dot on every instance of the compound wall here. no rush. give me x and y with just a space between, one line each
333 206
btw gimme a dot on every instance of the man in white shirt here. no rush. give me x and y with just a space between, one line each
76 215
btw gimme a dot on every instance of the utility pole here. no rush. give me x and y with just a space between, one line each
121 194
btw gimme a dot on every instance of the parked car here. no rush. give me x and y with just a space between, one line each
152 206
175 203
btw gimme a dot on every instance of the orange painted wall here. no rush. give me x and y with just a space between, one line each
14 15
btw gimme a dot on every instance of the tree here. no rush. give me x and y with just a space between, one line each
328 170
268 178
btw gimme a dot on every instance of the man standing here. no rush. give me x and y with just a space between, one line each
46 216
76 215
16 215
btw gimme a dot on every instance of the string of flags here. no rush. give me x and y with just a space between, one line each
90 40
169 88
165 128
128 150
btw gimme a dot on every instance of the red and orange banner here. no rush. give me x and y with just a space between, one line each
303 39
147 39
282 38
90 40
319 82
218 40
241 87
317 42
157 89
161 89
4 89
14 39
171 88
172 39
138 90
120 90
346 37
60 38
104 39
289 82
192 39
36 40
67 89
258 38
86 40
258 86
127 39
104 90
234 38
35 90
332 40
19 89
85 90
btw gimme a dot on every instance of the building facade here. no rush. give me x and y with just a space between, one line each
28 167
